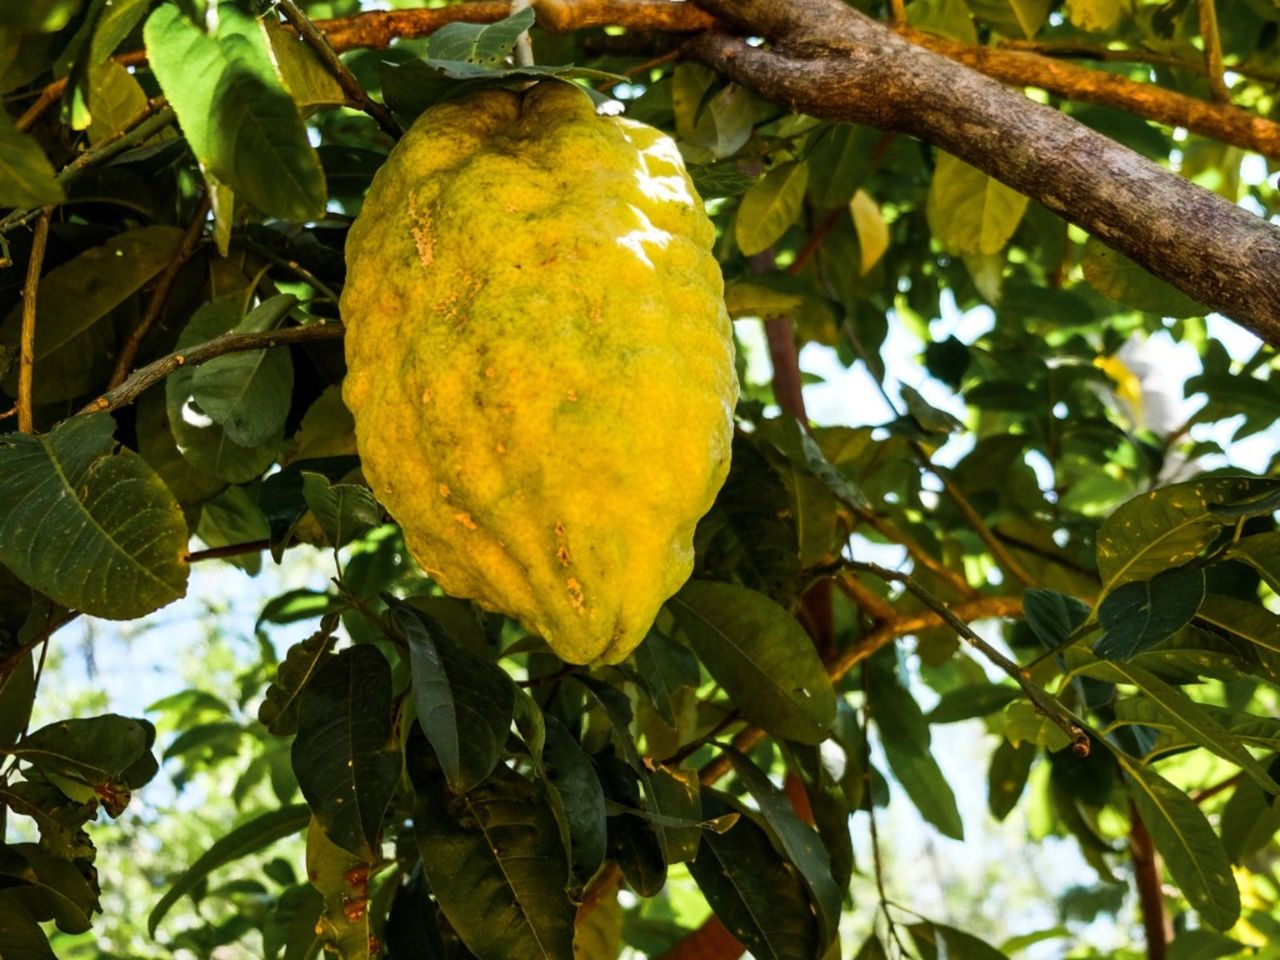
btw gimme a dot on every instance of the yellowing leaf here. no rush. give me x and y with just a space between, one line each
770 207
873 233
970 212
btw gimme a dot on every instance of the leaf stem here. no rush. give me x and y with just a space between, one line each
27 341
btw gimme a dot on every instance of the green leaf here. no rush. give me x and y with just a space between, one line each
797 841
1262 552
712 115
929 417
200 440
26 175
464 701
248 838
1013 18
309 82
108 755
237 117
576 799
495 864
946 18
279 709
1007 778
248 393
752 891
839 162
761 656
344 755
91 527
973 700
1114 275
1164 528
1141 613
1203 945
1192 851
234 517
48 887
675 804
770 207
115 23
46 16
72 346
21 934
904 734
17 694
1097 16
938 942
59 819
1199 725
1052 616
970 212
664 668
485 44
115 99
342 880
344 510
1247 620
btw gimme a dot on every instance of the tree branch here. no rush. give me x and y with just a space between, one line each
1146 869
129 352
27 337
1218 253
333 63
157 370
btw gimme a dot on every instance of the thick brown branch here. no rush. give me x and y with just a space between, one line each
157 370
1218 253
1220 121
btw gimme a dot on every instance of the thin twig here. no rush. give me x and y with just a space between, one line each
229 550
868 787
9 662
151 120
1212 50
27 343
922 556
129 352
1205 793
157 370
1044 702
303 274
341 72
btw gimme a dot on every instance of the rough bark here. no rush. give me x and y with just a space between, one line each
831 61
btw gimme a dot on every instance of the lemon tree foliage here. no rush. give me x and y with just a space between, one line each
610 617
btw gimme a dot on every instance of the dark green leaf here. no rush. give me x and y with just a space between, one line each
1052 616
1262 552
762 657
17 693
973 700
279 710
72 346
49 887
495 864
91 527
797 841
344 510
26 175
344 756
751 890
20 935
664 667
937 942
1249 621
464 701
1007 778
248 838
1141 613
108 755
577 800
